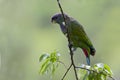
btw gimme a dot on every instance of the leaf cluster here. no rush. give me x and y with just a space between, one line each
98 71
49 62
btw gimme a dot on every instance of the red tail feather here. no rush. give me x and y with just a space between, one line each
85 52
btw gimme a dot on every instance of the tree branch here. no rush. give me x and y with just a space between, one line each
70 48
66 72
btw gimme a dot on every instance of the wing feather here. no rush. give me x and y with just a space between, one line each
78 34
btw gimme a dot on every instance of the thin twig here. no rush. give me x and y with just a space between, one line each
66 72
112 78
62 63
71 52
72 61
87 69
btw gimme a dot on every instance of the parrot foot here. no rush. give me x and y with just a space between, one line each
70 46
74 49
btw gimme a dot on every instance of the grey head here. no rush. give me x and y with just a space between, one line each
58 18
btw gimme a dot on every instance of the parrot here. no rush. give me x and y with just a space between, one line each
77 34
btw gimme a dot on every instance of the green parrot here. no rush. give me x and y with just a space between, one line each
77 35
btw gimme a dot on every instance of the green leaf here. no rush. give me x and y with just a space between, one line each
43 67
53 69
99 67
108 70
81 74
47 67
49 62
54 56
43 57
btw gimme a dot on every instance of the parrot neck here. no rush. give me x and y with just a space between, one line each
63 28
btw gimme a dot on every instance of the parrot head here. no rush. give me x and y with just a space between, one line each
58 18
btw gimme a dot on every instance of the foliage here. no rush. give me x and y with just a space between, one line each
49 62
98 71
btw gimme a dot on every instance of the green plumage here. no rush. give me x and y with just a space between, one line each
77 35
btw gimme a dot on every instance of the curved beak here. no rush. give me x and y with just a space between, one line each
53 21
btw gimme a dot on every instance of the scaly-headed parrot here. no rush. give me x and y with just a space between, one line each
77 35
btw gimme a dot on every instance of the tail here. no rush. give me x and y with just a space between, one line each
88 60
92 51
87 56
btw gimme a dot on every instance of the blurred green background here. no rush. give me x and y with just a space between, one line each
26 32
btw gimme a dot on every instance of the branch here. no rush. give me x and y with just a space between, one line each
70 48
66 72
62 63
72 60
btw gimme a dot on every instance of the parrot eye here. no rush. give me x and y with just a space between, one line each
55 18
